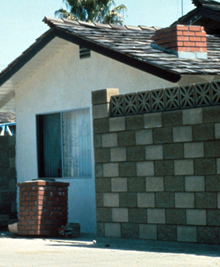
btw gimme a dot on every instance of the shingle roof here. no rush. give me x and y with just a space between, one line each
135 42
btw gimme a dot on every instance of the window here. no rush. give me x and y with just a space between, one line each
64 144
84 52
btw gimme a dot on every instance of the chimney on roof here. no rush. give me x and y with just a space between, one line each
183 41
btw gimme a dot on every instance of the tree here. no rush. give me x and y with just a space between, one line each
101 11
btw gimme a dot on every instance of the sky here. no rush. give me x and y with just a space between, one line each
21 21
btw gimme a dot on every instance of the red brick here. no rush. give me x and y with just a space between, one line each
200 44
181 28
195 28
184 49
194 49
188 34
202 34
183 38
195 39
188 44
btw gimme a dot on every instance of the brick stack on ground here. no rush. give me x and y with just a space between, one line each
157 175
43 207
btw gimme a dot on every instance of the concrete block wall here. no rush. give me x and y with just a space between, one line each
43 207
157 175
8 178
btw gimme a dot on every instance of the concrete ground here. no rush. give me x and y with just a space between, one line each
103 252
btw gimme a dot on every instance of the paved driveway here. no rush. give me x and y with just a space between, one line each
35 252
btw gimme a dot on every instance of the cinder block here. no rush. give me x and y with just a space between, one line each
206 200
134 122
147 231
103 96
112 230
103 185
205 166
164 167
129 230
110 170
98 170
137 215
165 200
146 200
211 114
118 154
218 199
203 132
184 167
103 214
192 116
101 125
109 140
212 149
126 138
135 153
128 200
173 151
176 216
100 229
212 183
145 168
195 183
100 111
213 217
194 150
120 215
172 118
119 184
217 130
167 232
162 135
154 184
111 199
218 165
156 216
117 124
196 217
184 200
186 234
174 184
154 152
136 184
182 134
99 200
102 155
144 137
152 120
127 169
208 235
97 140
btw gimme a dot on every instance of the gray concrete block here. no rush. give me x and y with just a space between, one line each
103 185
154 152
110 170
136 184
109 140
172 118
212 183
126 138
208 235
176 216
156 216
120 215
194 150
100 111
146 200
99 200
102 155
184 167
196 217
205 166
173 151
111 200
103 96
203 132
218 199
217 130
147 231
119 185
152 120
184 200
103 214
195 183
154 184
101 125
97 140
113 230
206 200
137 215
182 134
127 169
186 234
174 183
128 200
211 114
134 122
162 135
118 154
100 229
192 116
167 232
98 170
164 167
165 200
144 137
212 149
117 124
135 153
213 217
145 168
129 230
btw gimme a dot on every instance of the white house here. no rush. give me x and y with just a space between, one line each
50 86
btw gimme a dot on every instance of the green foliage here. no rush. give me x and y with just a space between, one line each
101 11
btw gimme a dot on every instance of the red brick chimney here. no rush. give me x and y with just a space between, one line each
183 41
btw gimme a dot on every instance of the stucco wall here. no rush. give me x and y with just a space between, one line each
7 177
157 174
